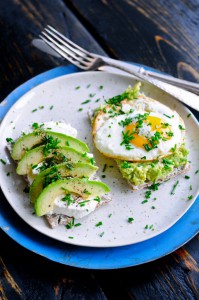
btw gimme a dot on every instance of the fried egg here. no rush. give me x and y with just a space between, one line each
138 129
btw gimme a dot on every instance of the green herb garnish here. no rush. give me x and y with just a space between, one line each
2 161
174 187
85 102
130 220
181 128
99 224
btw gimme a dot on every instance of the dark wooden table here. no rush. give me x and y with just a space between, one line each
161 34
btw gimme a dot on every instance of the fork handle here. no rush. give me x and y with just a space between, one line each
182 95
184 84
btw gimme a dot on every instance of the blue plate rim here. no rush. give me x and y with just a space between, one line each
86 257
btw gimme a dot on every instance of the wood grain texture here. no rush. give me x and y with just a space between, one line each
161 34
20 22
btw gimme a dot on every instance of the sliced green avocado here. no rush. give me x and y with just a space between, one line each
28 141
85 188
36 156
57 172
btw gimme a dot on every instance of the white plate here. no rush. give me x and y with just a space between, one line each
66 100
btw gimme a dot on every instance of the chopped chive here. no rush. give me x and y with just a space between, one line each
88 85
41 107
144 201
97 199
99 224
187 177
148 194
77 87
146 227
103 176
104 110
110 215
80 109
101 87
190 197
97 100
143 157
130 220
188 115
70 237
154 186
85 102
8 174
167 116
180 127
10 140
51 107
34 110
2 161
153 207
70 224
92 161
174 187
78 224
190 187
196 172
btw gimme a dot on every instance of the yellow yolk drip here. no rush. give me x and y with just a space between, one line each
155 125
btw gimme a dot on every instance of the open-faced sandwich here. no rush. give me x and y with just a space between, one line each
60 172
145 137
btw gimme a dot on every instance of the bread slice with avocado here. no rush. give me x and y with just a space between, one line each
56 165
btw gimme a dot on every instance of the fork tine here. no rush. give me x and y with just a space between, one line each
69 42
82 62
72 51
62 53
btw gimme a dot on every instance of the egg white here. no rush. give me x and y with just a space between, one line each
107 133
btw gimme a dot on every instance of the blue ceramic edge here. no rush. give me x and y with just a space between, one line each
85 257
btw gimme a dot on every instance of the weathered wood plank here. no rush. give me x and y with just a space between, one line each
20 22
161 34
25 275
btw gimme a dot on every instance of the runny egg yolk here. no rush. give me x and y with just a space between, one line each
156 125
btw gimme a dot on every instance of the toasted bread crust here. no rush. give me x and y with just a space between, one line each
177 171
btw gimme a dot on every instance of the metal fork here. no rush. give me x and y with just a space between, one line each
88 61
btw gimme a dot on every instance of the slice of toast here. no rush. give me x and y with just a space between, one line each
177 171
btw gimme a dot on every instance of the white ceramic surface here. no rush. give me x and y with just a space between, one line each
66 100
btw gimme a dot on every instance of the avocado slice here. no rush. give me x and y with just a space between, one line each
85 188
62 154
28 141
57 172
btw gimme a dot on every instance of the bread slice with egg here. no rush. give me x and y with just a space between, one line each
144 136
